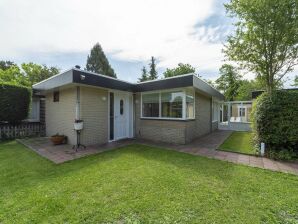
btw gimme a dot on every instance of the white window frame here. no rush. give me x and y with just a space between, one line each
215 106
37 119
184 91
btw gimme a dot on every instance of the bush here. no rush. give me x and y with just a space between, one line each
275 122
14 102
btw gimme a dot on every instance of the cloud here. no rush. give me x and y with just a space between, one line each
131 30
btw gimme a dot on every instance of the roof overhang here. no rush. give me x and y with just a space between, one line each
80 77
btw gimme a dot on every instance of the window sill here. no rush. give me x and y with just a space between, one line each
166 119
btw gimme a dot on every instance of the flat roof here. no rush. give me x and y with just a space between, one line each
78 76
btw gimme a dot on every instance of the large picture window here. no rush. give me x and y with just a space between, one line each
150 105
168 104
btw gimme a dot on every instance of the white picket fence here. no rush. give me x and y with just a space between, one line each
9 131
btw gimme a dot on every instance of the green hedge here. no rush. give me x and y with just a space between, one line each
14 102
275 122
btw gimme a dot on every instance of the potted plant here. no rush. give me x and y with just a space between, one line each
78 124
58 139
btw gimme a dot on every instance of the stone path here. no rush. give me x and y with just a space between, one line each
205 146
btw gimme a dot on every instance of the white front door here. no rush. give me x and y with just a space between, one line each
121 115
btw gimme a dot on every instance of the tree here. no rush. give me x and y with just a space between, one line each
97 62
4 65
265 41
229 81
27 76
152 72
13 75
295 81
35 73
144 76
182 69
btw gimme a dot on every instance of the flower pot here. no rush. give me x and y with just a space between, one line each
78 125
58 139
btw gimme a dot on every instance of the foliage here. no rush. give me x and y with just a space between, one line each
122 185
15 102
246 87
275 120
182 69
295 81
13 75
265 41
228 82
27 75
144 76
35 73
239 141
4 65
152 71
97 62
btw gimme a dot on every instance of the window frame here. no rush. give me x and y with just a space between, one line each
183 118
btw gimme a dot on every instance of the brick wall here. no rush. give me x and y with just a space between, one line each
94 113
60 116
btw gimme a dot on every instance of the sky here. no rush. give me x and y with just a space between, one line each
62 32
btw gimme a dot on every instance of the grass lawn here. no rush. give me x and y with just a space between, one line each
239 141
139 184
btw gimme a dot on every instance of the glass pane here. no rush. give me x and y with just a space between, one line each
150 105
111 116
190 105
171 104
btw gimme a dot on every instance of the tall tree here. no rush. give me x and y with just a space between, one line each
265 41
182 69
97 62
35 73
144 76
229 81
4 65
152 71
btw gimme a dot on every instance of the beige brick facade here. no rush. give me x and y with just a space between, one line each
94 113
60 115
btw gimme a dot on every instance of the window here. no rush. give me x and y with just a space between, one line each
34 111
56 96
150 105
121 107
190 106
215 109
168 104
171 104
242 112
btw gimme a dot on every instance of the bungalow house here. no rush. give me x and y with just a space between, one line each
175 110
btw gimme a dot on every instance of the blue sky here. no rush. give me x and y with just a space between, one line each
61 33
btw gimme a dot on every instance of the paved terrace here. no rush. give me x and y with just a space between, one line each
205 146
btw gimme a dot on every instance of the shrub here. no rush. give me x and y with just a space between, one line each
275 122
14 102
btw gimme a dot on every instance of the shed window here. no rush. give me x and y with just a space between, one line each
56 96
